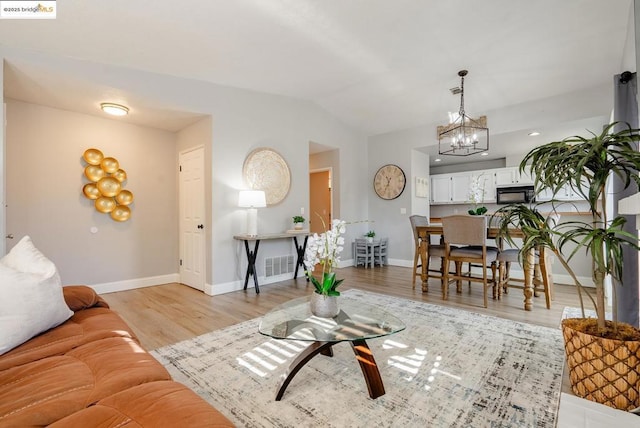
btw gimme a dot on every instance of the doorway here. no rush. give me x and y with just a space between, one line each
191 218
320 200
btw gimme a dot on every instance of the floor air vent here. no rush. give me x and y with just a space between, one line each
280 265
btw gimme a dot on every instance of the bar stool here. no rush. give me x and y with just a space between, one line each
540 284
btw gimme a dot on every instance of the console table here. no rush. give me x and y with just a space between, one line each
253 254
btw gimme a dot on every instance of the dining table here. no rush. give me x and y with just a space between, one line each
425 233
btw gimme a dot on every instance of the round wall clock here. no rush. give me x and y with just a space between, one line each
389 181
264 169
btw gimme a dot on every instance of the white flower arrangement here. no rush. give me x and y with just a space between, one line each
476 194
325 249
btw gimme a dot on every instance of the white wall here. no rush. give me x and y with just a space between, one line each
419 168
397 148
45 176
242 120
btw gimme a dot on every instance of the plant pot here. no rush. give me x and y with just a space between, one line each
297 226
603 370
369 239
324 306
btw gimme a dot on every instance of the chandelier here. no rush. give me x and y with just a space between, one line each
463 136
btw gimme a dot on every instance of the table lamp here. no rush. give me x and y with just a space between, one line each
252 199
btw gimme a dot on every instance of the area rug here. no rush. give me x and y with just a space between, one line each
448 368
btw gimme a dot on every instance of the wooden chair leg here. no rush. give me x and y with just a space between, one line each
505 285
445 281
494 282
458 275
485 285
415 265
500 279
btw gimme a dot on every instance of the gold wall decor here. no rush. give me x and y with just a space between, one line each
93 156
105 186
121 213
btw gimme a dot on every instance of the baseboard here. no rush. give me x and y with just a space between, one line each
401 263
130 284
229 287
390 262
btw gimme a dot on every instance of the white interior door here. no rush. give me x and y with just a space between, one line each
192 215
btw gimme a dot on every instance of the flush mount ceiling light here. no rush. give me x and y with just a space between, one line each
534 134
463 136
114 109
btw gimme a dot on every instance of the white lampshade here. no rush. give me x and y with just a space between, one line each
252 199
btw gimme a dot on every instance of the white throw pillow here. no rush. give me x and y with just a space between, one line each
31 299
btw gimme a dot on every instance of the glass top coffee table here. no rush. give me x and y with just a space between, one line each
356 322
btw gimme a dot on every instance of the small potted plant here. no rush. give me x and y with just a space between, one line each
370 235
298 220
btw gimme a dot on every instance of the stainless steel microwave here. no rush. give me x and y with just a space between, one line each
515 194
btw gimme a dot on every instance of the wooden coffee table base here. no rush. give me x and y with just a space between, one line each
362 353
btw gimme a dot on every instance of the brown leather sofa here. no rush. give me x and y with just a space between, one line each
91 371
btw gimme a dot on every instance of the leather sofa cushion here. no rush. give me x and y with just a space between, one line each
157 404
41 392
80 297
83 327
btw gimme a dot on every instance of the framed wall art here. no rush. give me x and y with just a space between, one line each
422 187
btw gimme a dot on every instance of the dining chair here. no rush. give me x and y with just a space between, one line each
362 253
465 241
380 252
435 250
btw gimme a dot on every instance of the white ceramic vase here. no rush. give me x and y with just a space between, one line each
324 306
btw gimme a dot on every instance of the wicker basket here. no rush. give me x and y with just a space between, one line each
603 370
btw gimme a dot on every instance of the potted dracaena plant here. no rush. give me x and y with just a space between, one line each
602 355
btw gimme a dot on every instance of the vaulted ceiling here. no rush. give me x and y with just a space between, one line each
377 65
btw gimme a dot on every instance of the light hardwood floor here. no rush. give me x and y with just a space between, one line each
169 313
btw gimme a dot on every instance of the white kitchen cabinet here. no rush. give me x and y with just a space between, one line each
524 177
511 176
566 193
505 176
486 179
545 195
460 185
441 189
454 188
450 188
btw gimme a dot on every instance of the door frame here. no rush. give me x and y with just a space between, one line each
330 170
204 214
